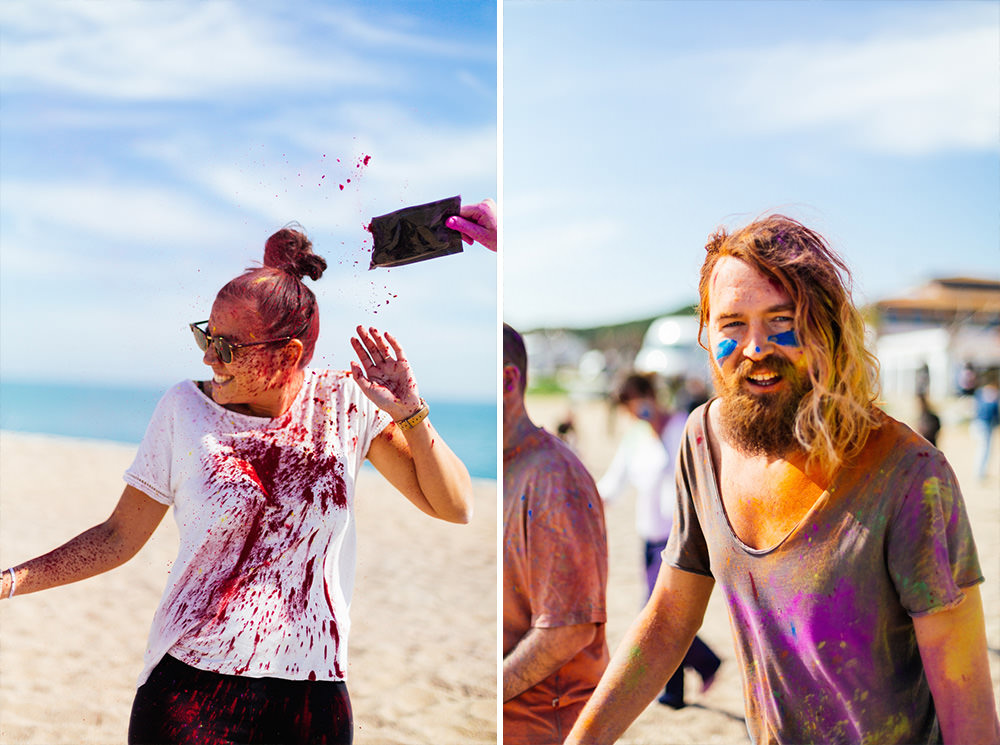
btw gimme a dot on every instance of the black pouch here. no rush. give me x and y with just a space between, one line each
415 234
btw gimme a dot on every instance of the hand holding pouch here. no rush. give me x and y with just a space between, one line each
415 234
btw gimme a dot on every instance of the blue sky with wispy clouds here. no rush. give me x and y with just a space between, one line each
633 129
147 150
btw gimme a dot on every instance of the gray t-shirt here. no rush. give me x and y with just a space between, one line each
822 621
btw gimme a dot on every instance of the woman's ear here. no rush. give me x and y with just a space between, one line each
291 353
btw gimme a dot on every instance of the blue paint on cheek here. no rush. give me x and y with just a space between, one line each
724 348
784 339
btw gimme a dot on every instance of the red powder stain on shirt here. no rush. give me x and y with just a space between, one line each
276 484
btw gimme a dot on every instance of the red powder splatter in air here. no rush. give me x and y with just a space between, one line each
341 187
323 176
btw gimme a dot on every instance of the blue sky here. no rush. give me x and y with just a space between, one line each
631 130
147 150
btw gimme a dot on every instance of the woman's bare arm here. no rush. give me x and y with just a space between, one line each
100 549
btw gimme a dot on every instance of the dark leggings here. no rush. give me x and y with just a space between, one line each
181 704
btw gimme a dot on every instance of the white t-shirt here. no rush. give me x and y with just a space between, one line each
263 578
646 462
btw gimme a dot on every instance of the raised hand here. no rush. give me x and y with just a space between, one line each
384 375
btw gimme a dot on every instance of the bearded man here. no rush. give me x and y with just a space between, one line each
839 536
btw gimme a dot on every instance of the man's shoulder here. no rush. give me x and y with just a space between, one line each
892 441
543 455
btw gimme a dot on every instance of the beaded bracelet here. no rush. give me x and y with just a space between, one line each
13 582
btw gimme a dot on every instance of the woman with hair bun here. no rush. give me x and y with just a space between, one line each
248 643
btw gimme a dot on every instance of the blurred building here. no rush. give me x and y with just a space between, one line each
670 348
943 324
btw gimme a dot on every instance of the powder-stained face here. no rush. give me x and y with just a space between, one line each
759 367
255 377
641 408
751 318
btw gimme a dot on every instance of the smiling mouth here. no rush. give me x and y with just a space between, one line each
764 380
221 379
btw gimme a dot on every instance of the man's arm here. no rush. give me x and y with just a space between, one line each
953 648
541 652
649 654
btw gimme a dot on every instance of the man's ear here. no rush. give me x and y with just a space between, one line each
511 379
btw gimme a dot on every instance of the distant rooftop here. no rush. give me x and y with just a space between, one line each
946 300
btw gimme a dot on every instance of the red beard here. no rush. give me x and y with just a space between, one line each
761 423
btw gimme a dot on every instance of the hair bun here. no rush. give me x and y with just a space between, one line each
291 251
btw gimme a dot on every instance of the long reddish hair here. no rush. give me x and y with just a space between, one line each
836 416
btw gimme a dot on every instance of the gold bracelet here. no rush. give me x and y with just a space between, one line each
412 421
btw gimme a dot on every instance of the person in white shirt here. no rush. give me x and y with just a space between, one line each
249 642
645 460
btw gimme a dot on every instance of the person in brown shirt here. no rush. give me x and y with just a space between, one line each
555 569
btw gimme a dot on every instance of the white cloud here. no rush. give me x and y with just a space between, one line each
302 163
142 216
146 51
907 95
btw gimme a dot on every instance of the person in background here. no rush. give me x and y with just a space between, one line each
259 462
928 422
967 380
987 399
555 572
477 222
645 460
839 536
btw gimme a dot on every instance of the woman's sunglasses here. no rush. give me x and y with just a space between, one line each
223 347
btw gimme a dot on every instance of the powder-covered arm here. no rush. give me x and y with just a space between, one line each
101 548
649 654
952 646
540 653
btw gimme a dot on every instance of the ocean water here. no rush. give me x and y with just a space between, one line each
120 414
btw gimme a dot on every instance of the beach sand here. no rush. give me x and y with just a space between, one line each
422 648
718 715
